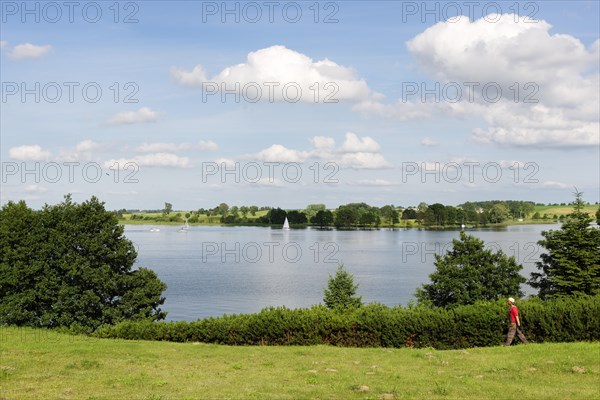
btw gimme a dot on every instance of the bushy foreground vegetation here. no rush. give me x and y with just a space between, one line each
375 325
70 264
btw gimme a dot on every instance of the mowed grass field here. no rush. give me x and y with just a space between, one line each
202 219
564 210
39 364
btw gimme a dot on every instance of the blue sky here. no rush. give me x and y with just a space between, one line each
398 131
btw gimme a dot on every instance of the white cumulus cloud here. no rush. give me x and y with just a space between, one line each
166 160
83 151
279 153
323 143
142 115
355 152
363 161
428 142
226 163
506 51
29 153
511 125
354 144
267 71
549 83
86 145
36 189
28 50
195 77
555 185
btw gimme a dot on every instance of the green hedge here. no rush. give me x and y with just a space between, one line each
376 325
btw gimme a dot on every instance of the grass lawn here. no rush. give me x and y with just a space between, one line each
202 219
39 364
564 210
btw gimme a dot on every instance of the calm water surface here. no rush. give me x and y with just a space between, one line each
211 271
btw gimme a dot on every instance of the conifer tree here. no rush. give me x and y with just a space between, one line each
572 264
469 273
341 291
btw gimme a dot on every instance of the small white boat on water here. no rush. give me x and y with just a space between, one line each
154 229
286 225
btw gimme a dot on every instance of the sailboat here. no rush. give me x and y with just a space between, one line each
286 225
184 228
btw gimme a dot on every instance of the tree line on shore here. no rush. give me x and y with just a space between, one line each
360 215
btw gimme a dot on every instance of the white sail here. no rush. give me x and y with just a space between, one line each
286 224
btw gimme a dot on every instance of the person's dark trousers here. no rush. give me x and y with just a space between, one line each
511 335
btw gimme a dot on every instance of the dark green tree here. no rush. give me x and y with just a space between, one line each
345 217
313 209
452 215
340 293
322 218
421 211
390 215
469 273
296 217
598 216
498 213
168 208
276 216
572 264
69 264
470 213
369 217
435 214
409 213
223 209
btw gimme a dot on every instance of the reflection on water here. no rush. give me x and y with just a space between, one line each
212 271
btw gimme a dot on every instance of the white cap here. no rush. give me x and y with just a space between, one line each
511 299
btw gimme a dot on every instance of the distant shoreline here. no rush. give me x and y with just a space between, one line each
304 226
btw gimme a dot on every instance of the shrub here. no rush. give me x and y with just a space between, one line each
377 325
341 291
468 273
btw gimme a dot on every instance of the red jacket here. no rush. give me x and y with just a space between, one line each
513 312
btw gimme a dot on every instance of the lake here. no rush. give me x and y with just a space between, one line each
213 270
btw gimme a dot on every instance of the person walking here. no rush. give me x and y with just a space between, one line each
515 324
